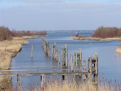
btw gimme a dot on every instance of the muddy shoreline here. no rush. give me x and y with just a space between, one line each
118 49
96 38
8 50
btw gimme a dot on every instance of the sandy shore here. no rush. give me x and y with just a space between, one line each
9 49
96 39
118 49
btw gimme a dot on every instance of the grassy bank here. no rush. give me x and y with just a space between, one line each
73 86
107 32
102 34
9 49
118 49
11 43
96 38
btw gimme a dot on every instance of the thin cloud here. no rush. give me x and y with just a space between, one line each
58 3
58 14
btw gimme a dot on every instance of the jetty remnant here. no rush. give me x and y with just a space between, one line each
73 63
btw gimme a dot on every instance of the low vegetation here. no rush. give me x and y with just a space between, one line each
29 33
7 34
107 32
5 84
72 86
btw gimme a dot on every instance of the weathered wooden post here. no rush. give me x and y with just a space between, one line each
59 58
79 59
93 71
71 62
44 45
53 51
75 59
90 69
66 54
43 80
55 58
47 48
64 60
19 83
78 64
63 77
95 62
65 57
31 53
54 54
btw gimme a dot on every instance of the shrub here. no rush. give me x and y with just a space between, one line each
5 34
107 32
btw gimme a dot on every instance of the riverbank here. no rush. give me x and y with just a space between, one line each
74 86
96 38
9 49
118 49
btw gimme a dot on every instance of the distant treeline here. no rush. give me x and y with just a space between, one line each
107 32
7 34
28 33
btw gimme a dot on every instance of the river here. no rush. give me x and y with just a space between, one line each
109 60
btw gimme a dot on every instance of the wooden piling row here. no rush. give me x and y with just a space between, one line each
74 61
45 46
65 57
31 53
55 53
93 69
19 83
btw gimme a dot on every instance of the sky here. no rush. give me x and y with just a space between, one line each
60 14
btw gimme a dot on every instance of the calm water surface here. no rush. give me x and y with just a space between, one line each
109 60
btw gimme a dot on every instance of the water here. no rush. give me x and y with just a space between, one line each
109 60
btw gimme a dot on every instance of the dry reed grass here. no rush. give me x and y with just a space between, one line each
73 86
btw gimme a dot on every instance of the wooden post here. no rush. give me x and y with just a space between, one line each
79 59
31 54
59 58
93 70
75 59
96 69
53 51
66 54
63 77
19 83
71 62
90 69
65 57
78 64
43 80
47 48
56 54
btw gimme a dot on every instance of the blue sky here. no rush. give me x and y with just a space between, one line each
59 14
